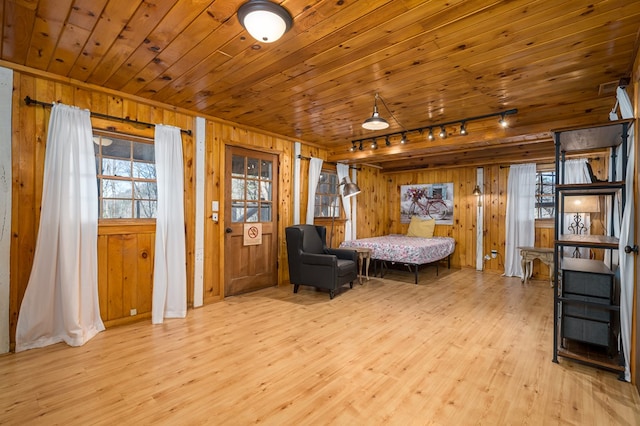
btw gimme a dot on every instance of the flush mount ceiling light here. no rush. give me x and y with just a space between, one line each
264 20
375 122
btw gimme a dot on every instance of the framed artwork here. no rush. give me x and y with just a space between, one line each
428 201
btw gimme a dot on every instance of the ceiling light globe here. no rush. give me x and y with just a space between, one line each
264 20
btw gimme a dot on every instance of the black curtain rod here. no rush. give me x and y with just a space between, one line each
302 157
30 101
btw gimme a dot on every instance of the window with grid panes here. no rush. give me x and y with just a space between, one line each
545 194
251 189
126 173
327 195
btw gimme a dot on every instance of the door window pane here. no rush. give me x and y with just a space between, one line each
251 184
237 189
253 167
266 171
252 214
265 212
252 189
265 191
237 166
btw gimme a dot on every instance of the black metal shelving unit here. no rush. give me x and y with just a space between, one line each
586 291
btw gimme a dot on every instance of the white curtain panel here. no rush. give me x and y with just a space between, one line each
169 266
315 167
520 222
343 172
627 232
61 299
576 171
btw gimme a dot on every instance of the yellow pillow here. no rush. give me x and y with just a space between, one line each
421 228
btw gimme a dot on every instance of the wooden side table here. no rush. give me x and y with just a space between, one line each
529 254
364 258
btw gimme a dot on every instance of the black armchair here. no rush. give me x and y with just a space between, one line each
312 263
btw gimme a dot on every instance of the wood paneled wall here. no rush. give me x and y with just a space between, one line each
125 250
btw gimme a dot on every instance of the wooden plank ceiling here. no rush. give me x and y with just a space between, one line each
430 61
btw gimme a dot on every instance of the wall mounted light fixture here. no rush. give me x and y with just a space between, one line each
264 20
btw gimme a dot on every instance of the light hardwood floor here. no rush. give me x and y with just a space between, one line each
462 348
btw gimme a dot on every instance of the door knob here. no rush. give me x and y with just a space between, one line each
228 230
629 249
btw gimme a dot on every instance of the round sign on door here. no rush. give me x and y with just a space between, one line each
252 234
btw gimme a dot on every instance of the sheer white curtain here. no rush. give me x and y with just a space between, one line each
61 299
576 171
343 172
315 168
627 232
520 222
169 267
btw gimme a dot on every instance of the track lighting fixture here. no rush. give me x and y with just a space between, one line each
353 147
443 132
264 20
375 122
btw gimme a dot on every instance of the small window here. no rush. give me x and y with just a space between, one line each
545 194
126 173
327 196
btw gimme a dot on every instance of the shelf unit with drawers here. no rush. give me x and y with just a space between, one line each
586 290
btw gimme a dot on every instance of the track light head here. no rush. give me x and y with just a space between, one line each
503 121
404 139
463 128
387 142
430 135
374 144
360 147
443 132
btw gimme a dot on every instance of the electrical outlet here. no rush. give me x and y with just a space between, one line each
133 312
487 257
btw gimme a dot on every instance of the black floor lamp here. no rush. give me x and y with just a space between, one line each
349 190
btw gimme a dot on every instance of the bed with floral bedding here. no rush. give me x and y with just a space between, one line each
402 249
